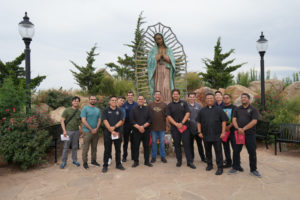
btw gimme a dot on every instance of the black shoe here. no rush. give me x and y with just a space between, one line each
124 160
135 164
164 160
104 169
203 160
153 160
148 164
208 168
85 165
191 165
240 169
94 162
120 167
219 171
178 164
227 165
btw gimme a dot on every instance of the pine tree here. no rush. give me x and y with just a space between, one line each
125 68
16 73
87 78
218 72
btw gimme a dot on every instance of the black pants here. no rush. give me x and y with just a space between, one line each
137 139
218 151
107 148
199 145
127 128
250 142
185 138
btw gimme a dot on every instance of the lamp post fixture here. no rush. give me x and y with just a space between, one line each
261 46
26 30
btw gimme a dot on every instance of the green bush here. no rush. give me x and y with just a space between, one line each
22 140
193 81
54 98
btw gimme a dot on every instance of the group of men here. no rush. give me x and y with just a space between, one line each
187 121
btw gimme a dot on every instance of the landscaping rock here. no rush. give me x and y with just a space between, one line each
55 115
272 84
201 92
236 90
291 91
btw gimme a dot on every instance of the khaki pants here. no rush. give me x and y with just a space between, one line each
89 139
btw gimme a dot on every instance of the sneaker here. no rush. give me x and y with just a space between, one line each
178 164
232 171
124 160
191 165
256 173
148 164
85 165
135 164
94 162
109 161
241 169
120 167
164 160
62 165
104 169
153 160
219 172
209 167
76 163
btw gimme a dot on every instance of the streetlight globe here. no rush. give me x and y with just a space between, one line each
262 43
26 28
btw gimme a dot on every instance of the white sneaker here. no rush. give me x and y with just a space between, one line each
109 161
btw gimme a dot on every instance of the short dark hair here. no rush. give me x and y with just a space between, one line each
175 90
218 91
226 94
121 97
245 94
75 98
130 92
140 95
209 94
92 95
191 93
112 96
157 91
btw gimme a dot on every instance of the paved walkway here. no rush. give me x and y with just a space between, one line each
281 180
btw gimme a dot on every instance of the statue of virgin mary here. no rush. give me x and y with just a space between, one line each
161 69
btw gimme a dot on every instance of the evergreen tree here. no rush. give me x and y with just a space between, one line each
87 78
17 74
218 72
125 68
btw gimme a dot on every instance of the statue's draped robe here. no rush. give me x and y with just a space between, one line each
161 76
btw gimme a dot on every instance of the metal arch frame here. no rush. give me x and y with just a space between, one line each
141 57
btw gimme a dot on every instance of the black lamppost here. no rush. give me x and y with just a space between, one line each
26 30
261 46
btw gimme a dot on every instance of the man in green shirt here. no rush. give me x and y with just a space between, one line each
70 123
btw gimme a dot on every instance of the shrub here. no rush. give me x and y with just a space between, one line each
54 98
22 140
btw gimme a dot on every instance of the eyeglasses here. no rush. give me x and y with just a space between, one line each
93 99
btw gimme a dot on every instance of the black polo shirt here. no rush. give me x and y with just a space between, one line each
140 115
112 116
211 118
177 110
244 116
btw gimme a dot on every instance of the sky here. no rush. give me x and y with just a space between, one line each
66 29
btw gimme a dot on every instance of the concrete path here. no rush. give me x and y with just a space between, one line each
281 180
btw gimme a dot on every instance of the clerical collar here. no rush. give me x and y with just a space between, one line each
209 106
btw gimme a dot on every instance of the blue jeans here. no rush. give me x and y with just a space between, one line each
161 137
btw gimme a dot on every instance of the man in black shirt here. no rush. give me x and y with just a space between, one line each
244 120
178 114
211 127
228 108
112 118
140 118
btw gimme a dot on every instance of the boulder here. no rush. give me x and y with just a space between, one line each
272 84
42 107
236 90
201 92
291 91
55 115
